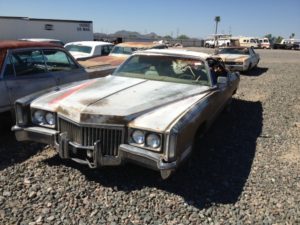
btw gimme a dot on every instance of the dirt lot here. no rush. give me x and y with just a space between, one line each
246 170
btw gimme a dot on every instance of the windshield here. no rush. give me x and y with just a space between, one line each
79 48
240 51
165 68
124 50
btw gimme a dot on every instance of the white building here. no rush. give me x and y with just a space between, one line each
13 28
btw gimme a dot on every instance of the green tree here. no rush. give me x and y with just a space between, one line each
292 35
271 38
279 39
217 20
168 37
183 37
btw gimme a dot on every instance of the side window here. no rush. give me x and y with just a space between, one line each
57 60
28 62
105 50
110 47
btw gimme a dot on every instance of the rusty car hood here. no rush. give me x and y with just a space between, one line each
110 60
119 100
233 57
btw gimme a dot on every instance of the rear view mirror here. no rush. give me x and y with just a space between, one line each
222 80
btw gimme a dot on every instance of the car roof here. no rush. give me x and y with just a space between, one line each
140 44
11 44
238 47
38 39
89 43
175 52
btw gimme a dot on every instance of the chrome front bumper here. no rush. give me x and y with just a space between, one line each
92 155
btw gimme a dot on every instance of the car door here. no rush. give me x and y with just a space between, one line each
221 91
25 73
254 58
62 67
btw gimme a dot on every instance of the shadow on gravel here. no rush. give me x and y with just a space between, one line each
217 171
12 151
256 72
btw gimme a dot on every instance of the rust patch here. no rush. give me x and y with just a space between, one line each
9 44
104 61
70 92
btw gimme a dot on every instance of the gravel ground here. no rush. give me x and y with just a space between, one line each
245 170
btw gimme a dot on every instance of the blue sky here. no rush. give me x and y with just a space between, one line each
194 18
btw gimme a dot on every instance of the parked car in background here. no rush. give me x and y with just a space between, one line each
27 67
264 43
52 41
211 43
293 44
245 42
239 58
120 53
148 112
82 50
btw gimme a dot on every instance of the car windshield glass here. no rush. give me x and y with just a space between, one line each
165 68
123 50
242 51
79 48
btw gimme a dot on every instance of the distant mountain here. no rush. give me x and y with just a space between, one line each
129 34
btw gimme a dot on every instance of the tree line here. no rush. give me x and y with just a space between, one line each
277 39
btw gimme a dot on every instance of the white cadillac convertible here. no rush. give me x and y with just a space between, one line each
148 112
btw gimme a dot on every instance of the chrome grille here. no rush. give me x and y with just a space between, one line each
110 137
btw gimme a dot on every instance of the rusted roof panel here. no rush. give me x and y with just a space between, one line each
10 44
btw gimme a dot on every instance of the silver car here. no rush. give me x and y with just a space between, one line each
27 67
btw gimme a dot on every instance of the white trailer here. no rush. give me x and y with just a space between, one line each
13 28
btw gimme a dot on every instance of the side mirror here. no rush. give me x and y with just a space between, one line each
222 80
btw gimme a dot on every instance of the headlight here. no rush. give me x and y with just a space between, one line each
153 141
50 118
44 118
38 116
138 137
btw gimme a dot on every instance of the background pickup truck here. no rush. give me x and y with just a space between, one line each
287 44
